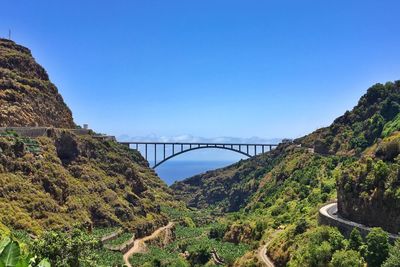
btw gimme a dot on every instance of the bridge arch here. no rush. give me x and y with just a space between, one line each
196 148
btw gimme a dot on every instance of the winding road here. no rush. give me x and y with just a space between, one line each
330 213
139 244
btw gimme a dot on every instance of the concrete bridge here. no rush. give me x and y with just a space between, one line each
169 150
160 151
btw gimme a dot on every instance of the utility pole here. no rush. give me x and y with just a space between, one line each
9 34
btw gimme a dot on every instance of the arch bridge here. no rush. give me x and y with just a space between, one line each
169 150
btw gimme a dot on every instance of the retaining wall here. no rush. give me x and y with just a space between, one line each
34 132
345 226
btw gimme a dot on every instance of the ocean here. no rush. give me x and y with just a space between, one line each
172 171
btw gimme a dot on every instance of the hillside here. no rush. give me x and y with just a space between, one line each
227 188
369 189
77 179
27 96
63 179
376 115
283 190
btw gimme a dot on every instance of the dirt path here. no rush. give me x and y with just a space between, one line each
262 255
262 252
139 244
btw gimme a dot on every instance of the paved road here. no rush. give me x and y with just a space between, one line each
331 211
139 244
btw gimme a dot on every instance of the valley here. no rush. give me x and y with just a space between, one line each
73 199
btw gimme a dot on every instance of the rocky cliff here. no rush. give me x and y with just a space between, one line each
64 179
369 189
27 96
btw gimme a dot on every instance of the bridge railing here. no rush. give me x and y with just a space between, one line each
169 150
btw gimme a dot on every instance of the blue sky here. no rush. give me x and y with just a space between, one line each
209 68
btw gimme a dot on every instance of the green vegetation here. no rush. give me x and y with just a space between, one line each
375 115
27 96
392 126
192 246
377 247
77 179
394 256
108 258
369 186
104 231
74 248
196 243
12 256
56 186
346 258
277 195
124 237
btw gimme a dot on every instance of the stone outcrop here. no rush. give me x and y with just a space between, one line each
27 96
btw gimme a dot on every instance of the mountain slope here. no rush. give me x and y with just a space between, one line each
63 179
27 97
291 183
373 117
229 187
369 189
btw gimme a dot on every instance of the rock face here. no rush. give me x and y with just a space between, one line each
62 178
27 97
369 189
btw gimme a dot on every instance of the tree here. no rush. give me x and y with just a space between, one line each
394 256
377 247
74 248
217 231
346 258
11 256
355 240
301 226
320 255
199 256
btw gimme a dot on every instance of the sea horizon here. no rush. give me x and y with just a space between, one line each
179 170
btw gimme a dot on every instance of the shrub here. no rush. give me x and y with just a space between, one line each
346 258
388 151
355 240
301 226
217 231
75 248
11 256
377 247
394 256
200 255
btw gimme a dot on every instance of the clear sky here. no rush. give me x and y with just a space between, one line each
209 68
